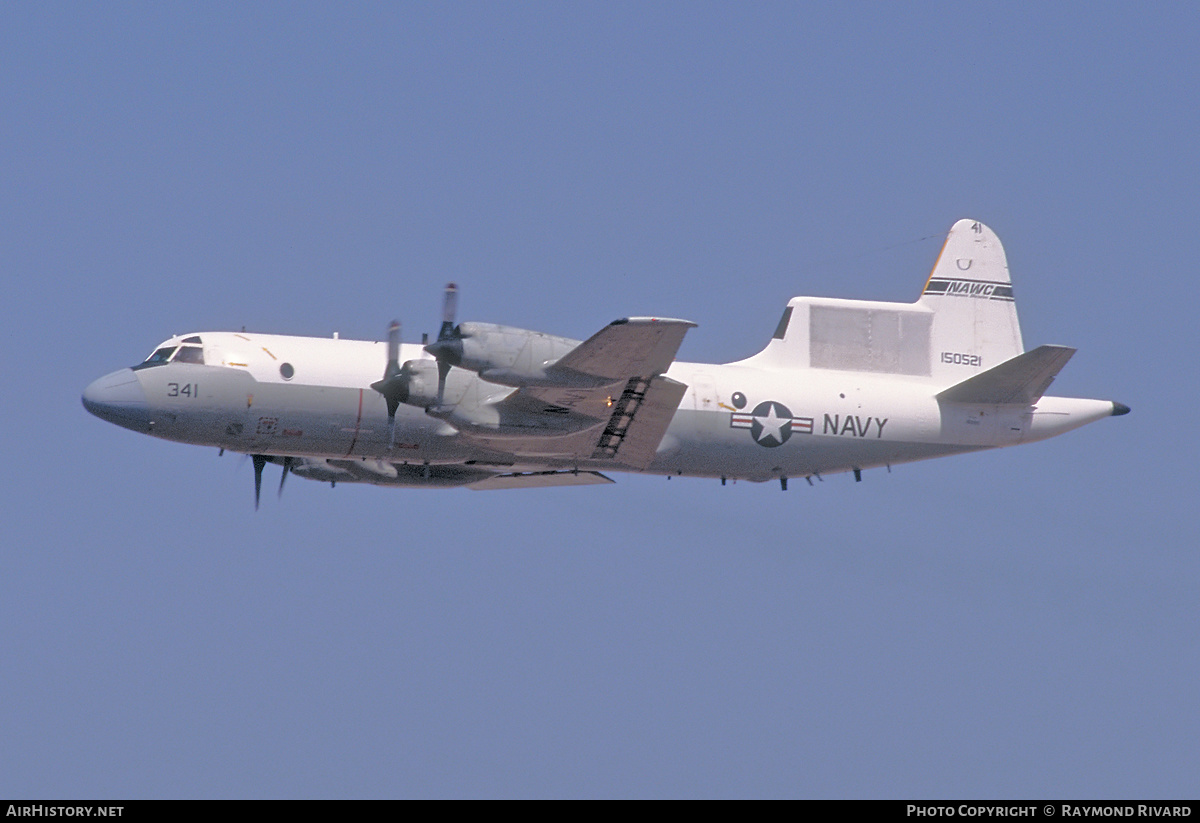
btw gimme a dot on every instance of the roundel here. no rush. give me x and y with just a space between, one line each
771 424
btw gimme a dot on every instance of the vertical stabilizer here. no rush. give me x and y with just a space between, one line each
970 293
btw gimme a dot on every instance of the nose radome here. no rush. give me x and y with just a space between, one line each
119 398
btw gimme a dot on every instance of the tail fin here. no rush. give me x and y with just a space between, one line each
970 293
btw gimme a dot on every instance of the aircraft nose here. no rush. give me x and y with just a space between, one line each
119 398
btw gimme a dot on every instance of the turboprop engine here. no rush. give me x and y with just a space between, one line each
420 381
504 354
503 357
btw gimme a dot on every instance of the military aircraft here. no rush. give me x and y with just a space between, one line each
842 386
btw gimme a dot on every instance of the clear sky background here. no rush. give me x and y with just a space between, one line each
1019 623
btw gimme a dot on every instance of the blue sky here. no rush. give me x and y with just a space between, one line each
1020 623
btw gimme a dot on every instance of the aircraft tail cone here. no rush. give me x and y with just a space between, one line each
1120 409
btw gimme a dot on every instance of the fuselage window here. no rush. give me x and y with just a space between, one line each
190 354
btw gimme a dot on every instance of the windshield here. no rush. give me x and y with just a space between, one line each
160 356
174 354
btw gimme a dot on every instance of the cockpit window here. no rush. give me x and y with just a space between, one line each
176 354
190 354
159 357
195 338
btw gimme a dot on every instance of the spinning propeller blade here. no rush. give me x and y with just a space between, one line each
393 386
449 310
259 462
447 350
287 467
448 347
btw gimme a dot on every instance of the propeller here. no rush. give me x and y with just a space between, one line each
259 462
394 385
446 350
287 467
449 309
448 346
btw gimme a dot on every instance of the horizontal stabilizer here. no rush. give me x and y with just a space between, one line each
538 480
1023 379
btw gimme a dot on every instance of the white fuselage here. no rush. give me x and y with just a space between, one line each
842 385
312 397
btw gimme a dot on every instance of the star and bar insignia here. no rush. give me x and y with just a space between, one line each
770 423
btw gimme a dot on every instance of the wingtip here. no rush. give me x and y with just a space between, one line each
666 321
1119 409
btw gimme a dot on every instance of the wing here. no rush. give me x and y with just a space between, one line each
631 347
539 480
606 399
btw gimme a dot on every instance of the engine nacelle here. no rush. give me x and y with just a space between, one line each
420 380
503 354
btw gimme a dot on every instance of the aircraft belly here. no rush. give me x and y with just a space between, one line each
228 408
337 422
302 419
731 444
